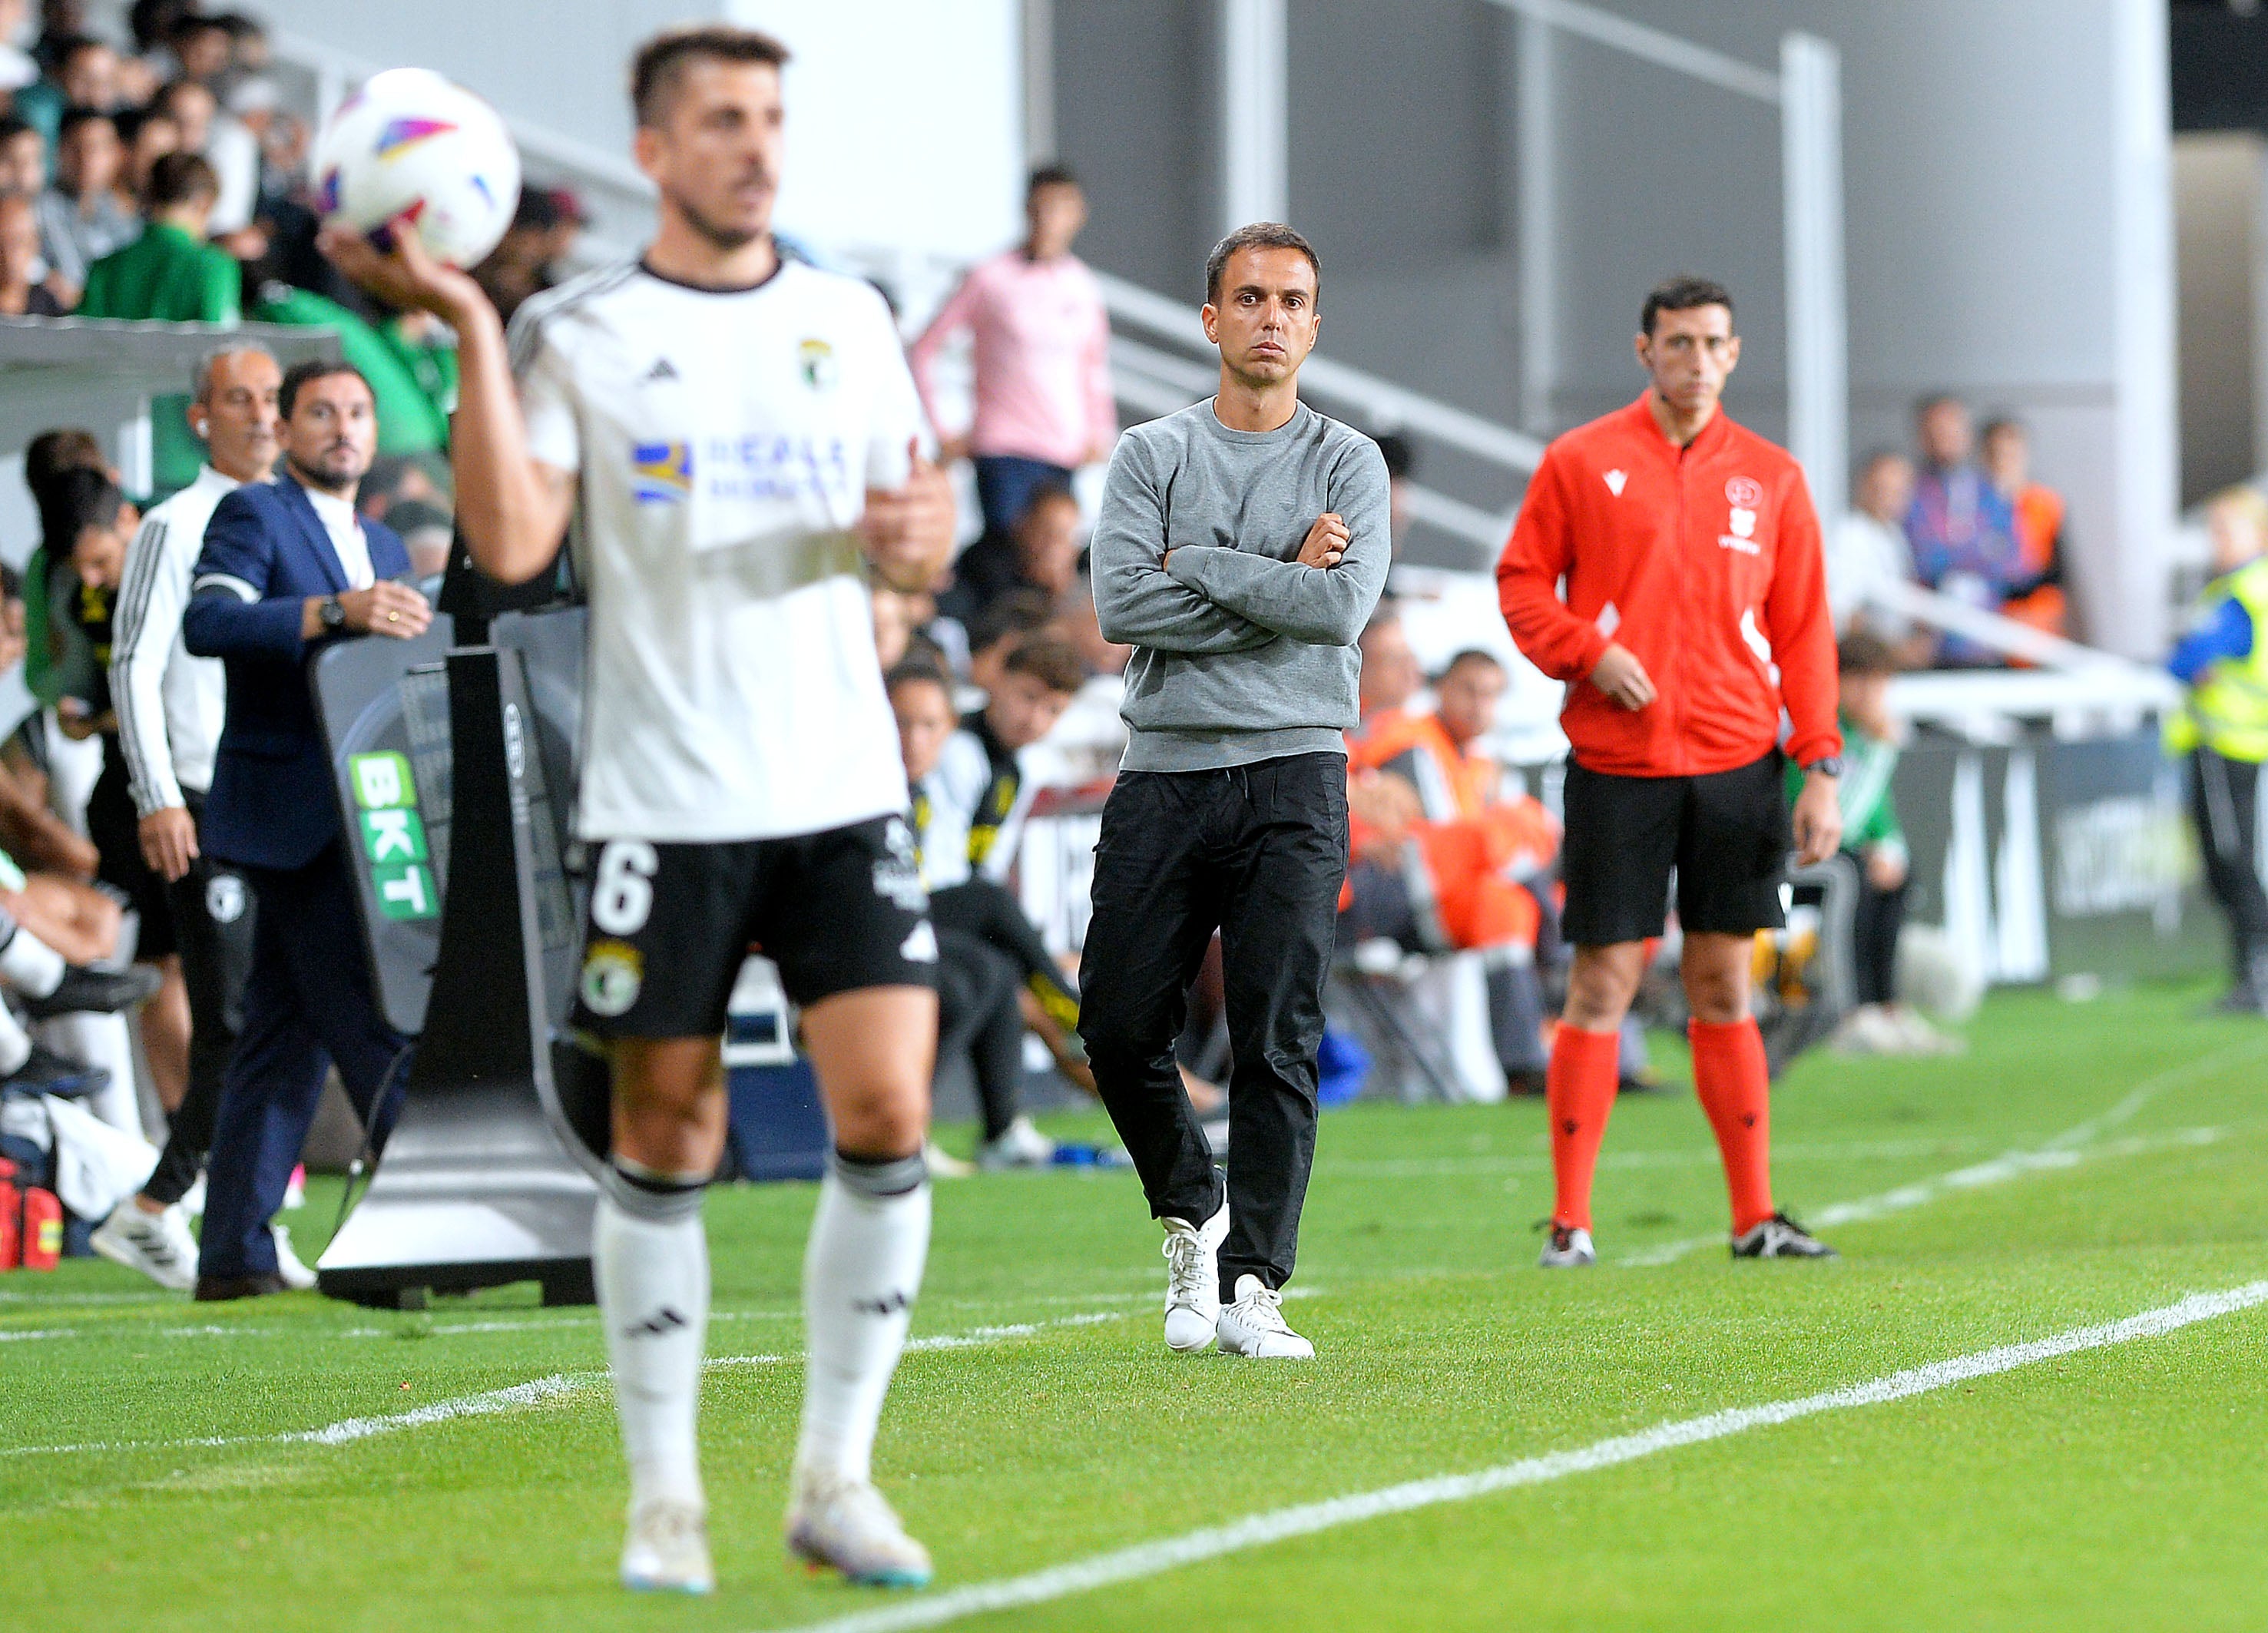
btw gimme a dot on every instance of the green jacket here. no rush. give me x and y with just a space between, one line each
414 386
167 275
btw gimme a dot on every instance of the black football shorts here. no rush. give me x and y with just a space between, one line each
1726 835
668 925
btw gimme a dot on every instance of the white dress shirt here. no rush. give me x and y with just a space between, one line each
347 541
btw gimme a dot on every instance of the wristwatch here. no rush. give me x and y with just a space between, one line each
1826 765
332 612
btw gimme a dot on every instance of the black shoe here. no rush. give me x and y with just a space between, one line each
46 1072
220 1289
1780 1237
84 991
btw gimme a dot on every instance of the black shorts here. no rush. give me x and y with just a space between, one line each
1726 834
115 827
668 924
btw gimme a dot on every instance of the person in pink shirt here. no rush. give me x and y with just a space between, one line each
1042 340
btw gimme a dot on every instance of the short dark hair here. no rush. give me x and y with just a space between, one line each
180 179
1927 401
1399 452
1052 661
918 672
1048 492
1681 293
2000 425
661 61
307 373
66 49
1259 235
196 23
77 499
1015 612
12 126
1472 655
1861 653
1050 175
52 452
74 117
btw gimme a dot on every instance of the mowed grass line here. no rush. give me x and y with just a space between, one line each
1443 1351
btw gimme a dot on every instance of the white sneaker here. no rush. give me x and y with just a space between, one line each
158 1245
1567 1246
667 1550
845 1525
943 1164
1193 1281
1869 1030
1019 1145
1254 1325
297 1276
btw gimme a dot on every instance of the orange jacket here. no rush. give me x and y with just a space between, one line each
1458 784
1704 562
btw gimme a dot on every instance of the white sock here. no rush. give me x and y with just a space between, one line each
30 965
869 1241
15 1043
652 1276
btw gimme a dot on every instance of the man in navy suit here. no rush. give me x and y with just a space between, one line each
285 566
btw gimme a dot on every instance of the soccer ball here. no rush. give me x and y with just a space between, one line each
410 142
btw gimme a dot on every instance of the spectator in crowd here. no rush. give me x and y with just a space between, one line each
525 260
151 24
204 48
413 376
18 68
148 136
1959 527
1875 846
1001 628
46 456
1400 456
85 75
61 21
172 274
1043 353
81 216
1040 552
2037 597
19 258
23 157
170 708
86 514
286 564
1866 551
223 142
2223 729
1390 673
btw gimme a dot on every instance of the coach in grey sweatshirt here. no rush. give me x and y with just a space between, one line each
1242 547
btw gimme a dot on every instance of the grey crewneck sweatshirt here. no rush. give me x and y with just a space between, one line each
1241 654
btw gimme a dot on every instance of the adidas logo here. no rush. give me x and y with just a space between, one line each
663 369
1614 481
660 1324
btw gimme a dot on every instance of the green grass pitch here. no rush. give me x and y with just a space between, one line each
2080 1165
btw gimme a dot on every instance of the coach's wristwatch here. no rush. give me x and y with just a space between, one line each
332 612
1826 765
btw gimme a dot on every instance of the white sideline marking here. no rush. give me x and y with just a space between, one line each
538 1390
1149 1559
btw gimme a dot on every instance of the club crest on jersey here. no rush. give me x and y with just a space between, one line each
613 972
1746 492
661 472
816 360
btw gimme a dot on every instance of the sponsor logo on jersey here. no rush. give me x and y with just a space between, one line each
1745 491
400 135
816 359
613 972
661 472
1614 481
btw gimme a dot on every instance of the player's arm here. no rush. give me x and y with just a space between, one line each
149 619
1802 633
511 507
1540 553
1137 602
1326 594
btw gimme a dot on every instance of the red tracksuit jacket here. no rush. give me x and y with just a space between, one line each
1703 561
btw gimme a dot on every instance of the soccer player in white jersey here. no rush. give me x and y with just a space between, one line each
736 439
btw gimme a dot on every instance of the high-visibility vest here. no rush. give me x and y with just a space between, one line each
2227 710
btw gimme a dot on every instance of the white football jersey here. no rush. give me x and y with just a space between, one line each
724 444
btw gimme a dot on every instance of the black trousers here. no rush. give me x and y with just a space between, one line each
2225 801
986 910
1257 852
213 910
1875 922
976 987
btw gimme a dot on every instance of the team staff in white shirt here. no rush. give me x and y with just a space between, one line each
735 438
170 710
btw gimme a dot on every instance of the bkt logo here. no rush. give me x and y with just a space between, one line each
661 472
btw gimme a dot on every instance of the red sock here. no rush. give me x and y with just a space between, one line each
1735 1086
1579 1088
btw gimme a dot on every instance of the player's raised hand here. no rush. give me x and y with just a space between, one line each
1326 542
1620 675
403 273
908 532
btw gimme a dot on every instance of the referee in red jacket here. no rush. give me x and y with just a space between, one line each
1695 609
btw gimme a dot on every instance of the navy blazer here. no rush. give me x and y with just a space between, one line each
273 803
